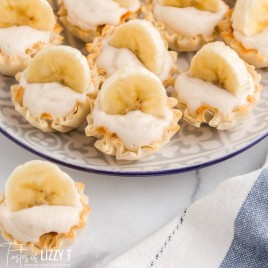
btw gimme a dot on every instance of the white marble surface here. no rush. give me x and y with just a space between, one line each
126 210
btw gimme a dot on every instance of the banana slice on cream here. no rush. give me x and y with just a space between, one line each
62 64
245 29
86 19
186 24
55 91
137 43
133 115
36 14
38 194
219 88
26 27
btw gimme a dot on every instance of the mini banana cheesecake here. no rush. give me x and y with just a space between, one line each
219 89
132 116
86 19
137 43
42 208
245 29
26 27
186 24
55 91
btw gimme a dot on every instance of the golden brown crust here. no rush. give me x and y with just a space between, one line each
251 56
212 116
53 241
12 65
110 144
88 35
177 41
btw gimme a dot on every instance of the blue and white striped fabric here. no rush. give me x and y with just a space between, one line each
227 228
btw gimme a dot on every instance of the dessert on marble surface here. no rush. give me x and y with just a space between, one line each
187 25
219 89
136 43
55 91
245 29
132 116
42 208
86 19
26 27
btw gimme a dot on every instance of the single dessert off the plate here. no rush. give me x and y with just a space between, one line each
245 29
86 19
219 89
132 116
55 90
42 208
186 25
26 27
137 43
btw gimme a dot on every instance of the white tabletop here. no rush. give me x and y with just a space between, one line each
126 210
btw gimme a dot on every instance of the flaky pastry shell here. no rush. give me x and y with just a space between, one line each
110 144
49 123
12 65
88 35
95 49
177 41
212 116
52 241
252 56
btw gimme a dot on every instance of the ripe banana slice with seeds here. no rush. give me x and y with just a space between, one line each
39 183
143 39
61 64
250 17
37 14
208 5
133 89
219 64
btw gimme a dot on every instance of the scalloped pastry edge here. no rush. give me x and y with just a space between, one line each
94 48
110 144
177 41
10 66
88 35
251 56
212 117
52 241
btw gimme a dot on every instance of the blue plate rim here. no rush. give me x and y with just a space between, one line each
134 173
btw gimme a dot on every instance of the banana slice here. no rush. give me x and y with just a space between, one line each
39 183
127 3
250 16
61 64
133 89
35 13
207 5
219 64
143 39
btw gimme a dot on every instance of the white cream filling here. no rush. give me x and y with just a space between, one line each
88 14
134 129
15 40
258 41
28 225
195 92
53 98
189 21
112 59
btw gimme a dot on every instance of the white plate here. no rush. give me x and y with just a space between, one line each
191 148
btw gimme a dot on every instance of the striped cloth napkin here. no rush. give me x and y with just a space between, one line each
227 228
